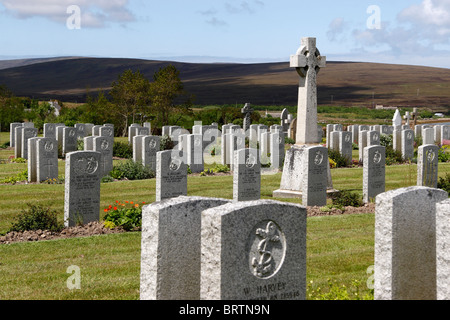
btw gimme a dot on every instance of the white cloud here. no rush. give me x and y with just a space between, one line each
430 20
244 7
336 29
417 32
94 13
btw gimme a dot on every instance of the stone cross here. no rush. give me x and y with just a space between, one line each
307 62
247 110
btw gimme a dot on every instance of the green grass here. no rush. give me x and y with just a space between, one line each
340 248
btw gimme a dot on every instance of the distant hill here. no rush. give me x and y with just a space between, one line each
340 83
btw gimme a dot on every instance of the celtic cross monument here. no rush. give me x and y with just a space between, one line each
306 173
308 63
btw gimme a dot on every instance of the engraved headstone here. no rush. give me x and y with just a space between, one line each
69 143
345 145
106 131
427 165
171 175
373 138
246 175
374 172
82 187
81 130
407 144
150 146
46 159
315 179
253 250
194 154
50 130
104 145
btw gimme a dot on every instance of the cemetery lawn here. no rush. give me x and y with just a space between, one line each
340 249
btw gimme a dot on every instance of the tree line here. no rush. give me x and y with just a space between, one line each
132 98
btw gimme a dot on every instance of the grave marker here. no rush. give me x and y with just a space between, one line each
171 175
82 187
246 175
374 172
253 250
427 165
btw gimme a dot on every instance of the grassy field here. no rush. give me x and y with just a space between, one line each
340 249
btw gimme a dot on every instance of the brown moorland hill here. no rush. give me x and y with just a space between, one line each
340 83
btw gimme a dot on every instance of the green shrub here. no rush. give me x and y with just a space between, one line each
289 140
346 198
338 158
22 176
444 183
37 218
131 170
4 145
18 160
128 216
443 156
122 150
392 156
221 168
166 143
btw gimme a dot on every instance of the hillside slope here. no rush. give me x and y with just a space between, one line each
340 83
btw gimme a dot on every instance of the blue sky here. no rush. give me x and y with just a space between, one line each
401 32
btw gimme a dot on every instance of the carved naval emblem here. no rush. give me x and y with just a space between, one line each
86 165
268 249
174 165
377 157
431 155
104 144
318 158
250 161
48 146
152 144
